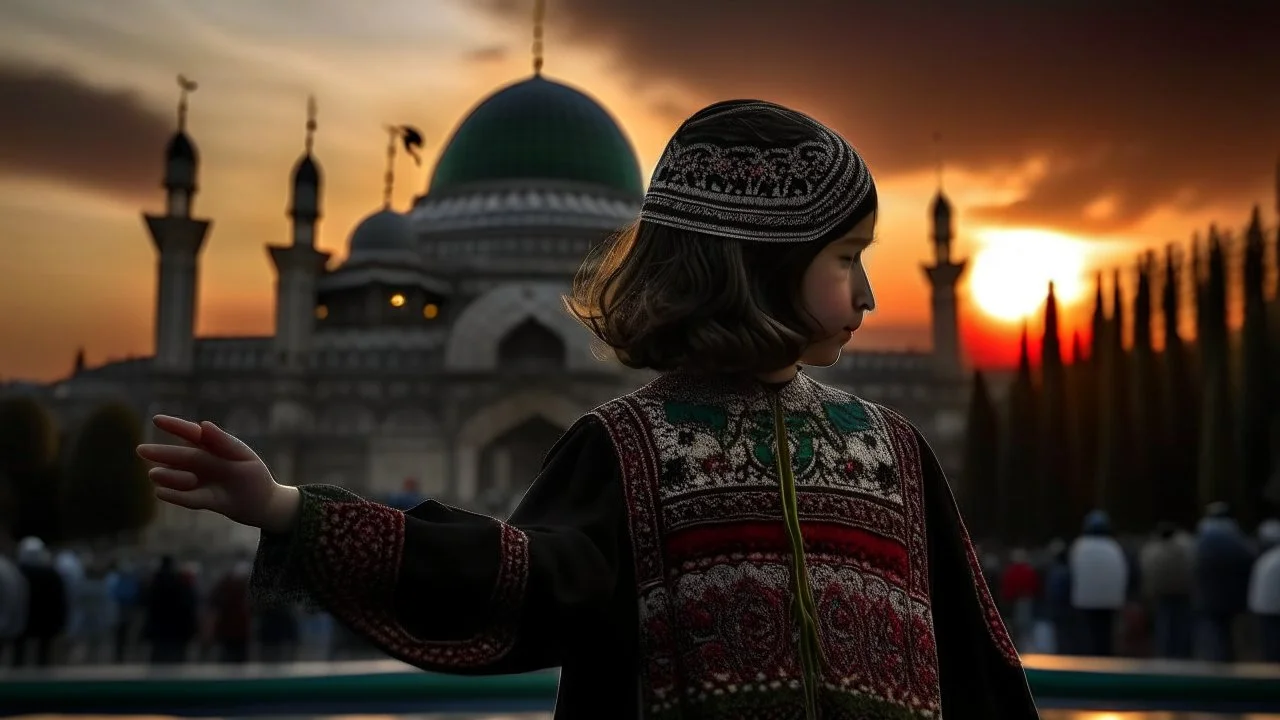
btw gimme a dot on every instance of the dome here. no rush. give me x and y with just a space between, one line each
382 232
538 129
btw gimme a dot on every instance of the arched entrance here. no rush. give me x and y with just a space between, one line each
510 462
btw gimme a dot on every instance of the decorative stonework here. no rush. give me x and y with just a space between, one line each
473 344
481 427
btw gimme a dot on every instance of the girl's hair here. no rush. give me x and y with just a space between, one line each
668 299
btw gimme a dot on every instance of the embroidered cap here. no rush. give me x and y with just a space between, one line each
754 170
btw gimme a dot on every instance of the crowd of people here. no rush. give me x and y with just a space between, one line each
69 607
1212 593
1208 594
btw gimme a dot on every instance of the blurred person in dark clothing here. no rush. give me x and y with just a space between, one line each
171 614
232 616
1166 583
1221 568
278 634
47 602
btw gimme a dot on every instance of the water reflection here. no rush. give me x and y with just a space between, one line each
1044 715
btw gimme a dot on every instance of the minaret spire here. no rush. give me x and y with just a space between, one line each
539 15
311 123
187 86
937 157
389 177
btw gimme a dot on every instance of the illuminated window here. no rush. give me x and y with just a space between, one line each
322 312
430 311
397 300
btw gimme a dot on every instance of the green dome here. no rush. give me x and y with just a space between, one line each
537 129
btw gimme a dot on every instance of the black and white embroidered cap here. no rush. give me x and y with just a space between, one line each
753 170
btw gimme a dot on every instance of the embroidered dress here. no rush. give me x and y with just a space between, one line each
702 548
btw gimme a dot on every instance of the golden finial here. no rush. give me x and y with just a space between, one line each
539 13
311 122
187 86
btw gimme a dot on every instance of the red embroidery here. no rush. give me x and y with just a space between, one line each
356 563
995 623
906 437
714 566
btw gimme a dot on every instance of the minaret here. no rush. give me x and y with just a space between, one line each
178 238
944 274
299 264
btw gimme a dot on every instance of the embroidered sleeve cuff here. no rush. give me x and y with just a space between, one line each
345 554
278 569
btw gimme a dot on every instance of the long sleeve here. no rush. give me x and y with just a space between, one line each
979 668
453 591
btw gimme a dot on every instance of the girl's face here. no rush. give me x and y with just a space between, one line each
836 292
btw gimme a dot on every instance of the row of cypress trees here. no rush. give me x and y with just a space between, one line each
87 485
1146 433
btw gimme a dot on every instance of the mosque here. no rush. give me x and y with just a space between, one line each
435 359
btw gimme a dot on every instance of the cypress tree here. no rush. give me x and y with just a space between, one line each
1018 464
30 484
1088 408
1083 421
1148 413
1181 426
1055 453
108 492
981 497
1115 442
1217 465
1256 407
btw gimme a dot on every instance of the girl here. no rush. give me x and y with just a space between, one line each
732 541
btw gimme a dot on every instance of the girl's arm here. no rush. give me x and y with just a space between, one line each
979 668
453 591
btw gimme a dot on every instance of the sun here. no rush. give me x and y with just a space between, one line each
1012 272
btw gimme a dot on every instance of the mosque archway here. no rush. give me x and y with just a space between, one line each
510 462
531 346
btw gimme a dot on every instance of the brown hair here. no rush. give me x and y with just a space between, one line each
667 299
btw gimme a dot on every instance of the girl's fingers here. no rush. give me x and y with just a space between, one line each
178 457
223 444
197 499
173 479
184 429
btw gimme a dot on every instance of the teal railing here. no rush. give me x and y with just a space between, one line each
391 688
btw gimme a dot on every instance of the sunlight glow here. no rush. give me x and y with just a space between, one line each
1012 271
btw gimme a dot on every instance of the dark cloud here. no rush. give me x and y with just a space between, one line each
54 126
1141 103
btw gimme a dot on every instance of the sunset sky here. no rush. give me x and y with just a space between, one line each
1083 132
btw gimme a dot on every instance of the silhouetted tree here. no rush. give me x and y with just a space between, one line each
1177 501
1082 412
982 462
1054 454
1088 407
1217 466
1115 432
107 490
29 478
1148 408
1018 462
1256 400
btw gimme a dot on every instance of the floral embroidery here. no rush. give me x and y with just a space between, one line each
714 567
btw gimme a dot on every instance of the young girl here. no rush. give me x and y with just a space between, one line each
732 541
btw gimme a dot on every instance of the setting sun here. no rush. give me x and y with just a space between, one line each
1012 271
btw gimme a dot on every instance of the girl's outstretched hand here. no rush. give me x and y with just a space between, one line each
219 473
